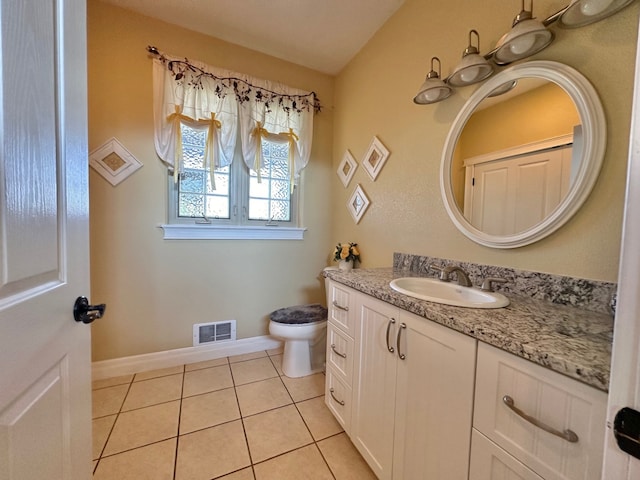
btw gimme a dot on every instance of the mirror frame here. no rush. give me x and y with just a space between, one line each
594 130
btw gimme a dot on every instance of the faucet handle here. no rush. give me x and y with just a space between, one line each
487 283
442 275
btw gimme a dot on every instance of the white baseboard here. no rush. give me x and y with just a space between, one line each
180 356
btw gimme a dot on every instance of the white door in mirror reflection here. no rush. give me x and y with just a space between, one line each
510 195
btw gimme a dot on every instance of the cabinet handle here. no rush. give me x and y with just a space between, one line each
340 307
391 322
400 354
569 435
341 402
333 347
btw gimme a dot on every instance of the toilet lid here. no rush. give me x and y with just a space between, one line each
299 314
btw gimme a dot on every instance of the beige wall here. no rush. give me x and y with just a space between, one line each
155 289
374 97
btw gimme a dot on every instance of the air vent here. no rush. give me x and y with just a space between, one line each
214 332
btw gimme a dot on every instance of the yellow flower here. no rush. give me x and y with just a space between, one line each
355 251
345 252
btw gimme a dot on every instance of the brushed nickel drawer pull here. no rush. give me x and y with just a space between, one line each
341 402
569 435
340 307
400 354
333 347
391 322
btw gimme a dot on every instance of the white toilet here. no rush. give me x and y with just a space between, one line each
303 328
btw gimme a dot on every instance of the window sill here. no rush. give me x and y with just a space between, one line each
224 232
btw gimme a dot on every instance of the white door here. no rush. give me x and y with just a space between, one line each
624 388
45 395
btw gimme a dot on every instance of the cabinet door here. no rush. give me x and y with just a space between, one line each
372 417
434 401
490 462
558 402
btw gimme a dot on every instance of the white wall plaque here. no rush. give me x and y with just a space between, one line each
114 162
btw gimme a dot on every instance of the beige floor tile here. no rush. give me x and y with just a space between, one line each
111 382
276 351
153 462
143 426
212 452
304 463
344 460
261 396
247 356
208 410
206 380
275 432
101 429
253 371
318 418
277 362
153 391
244 474
107 401
304 388
162 372
216 362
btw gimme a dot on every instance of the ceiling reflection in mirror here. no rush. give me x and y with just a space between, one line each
516 156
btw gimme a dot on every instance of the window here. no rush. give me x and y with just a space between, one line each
239 197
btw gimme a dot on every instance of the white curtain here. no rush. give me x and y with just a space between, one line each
213 102
211 107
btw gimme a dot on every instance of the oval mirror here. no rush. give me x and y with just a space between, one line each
523 154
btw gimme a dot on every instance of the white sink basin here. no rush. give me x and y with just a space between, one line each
437 291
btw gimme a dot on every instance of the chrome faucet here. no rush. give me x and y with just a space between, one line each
445 273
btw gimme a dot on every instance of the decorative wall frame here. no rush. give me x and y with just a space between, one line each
347 168
114 162
358 204
375 158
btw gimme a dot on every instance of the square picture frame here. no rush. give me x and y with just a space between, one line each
113 161
375 158
347 168
358 203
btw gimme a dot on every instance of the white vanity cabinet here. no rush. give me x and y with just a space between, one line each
504 440
340 351
412 394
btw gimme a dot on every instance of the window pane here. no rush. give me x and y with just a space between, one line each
191 205
191 181
271 199
222 182
217 207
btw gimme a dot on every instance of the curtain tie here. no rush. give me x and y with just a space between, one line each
259 133
293 138
210 148
176 118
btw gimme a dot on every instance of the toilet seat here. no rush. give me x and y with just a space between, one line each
300 314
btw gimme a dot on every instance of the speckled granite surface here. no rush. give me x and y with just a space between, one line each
572 341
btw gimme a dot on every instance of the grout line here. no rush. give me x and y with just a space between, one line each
244 430
175 457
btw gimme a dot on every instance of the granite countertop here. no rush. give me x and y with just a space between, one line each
569 340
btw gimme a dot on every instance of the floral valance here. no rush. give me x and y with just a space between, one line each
218 100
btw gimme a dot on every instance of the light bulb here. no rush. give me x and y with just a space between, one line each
590 8
469 75
522 44
432 94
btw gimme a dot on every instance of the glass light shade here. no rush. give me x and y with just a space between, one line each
584 12
432 90
472 69
523 40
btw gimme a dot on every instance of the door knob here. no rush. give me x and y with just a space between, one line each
85 313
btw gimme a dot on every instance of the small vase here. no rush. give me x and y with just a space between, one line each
345 265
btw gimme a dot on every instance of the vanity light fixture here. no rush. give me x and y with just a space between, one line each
473 68
433 89
527 37
583 12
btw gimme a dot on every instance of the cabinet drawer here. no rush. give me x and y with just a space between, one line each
338 399
490 462
340 354
340 304
554 400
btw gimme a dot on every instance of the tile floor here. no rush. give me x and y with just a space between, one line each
235 418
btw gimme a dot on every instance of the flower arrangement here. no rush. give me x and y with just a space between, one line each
347 251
